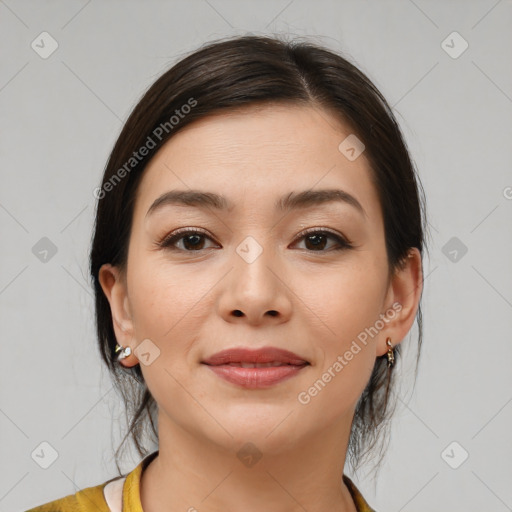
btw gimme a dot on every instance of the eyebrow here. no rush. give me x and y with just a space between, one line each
291 201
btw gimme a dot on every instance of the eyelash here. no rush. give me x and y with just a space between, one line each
169 240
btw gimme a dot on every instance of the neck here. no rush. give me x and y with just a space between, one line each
193 474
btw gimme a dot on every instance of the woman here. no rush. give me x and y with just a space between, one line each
257 260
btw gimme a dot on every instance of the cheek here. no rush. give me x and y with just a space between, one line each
334 391
166 308
346 300
161 294
171 304
348 304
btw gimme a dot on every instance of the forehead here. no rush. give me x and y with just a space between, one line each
256 154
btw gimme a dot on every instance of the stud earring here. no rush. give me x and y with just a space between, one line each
123 352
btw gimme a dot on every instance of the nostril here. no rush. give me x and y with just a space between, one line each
237 312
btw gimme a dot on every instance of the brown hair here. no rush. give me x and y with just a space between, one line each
228 74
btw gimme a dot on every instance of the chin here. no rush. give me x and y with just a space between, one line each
270 433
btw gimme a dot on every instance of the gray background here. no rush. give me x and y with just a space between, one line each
60 118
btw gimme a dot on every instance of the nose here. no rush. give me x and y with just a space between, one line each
256 290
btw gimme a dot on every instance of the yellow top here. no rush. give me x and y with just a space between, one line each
92 499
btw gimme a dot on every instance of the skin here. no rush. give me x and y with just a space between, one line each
184 302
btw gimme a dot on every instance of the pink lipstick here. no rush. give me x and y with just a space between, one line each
255 368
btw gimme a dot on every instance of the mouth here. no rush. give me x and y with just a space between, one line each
255 369
245 364
272 356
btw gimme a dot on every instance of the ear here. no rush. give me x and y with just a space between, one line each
403 298
113 283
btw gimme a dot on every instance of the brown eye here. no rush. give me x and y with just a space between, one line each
193 240
316 240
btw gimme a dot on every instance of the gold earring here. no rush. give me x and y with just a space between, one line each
391 353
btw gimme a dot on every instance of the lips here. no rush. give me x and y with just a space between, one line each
268 356
255 369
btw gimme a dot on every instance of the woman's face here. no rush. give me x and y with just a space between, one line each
252 279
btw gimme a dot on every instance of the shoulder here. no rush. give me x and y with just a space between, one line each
90 499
